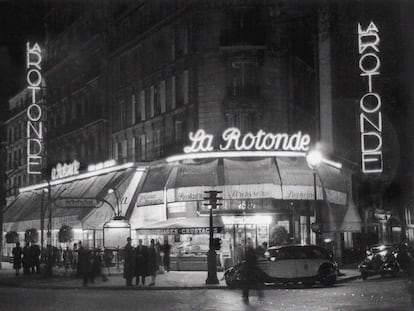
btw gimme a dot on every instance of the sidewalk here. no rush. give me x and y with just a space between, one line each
167 281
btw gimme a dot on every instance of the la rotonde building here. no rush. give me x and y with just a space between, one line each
134 82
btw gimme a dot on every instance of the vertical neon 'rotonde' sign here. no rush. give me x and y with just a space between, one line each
370 103
34 128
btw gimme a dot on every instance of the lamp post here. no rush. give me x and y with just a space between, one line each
211 256
49 261
314 159
118 215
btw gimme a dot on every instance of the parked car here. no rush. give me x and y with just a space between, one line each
306 264
380 259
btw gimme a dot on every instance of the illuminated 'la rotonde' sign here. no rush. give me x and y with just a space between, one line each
370 103
34 127
234 140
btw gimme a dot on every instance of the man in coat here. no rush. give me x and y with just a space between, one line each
84 263
35 257
152 262
166 248
129 262
250 277
17 258
141 262
27 259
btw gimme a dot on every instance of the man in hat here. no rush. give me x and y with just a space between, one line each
129 260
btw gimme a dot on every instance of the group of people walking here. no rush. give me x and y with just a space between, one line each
28 257
83 262
144 261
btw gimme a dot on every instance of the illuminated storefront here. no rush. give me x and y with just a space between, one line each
268 196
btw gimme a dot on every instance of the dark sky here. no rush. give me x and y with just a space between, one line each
20 21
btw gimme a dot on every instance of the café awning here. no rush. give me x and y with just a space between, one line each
80 203
239 179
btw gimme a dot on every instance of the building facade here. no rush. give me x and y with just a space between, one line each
76 74
16 146
131 80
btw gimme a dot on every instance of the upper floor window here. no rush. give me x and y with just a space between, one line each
123 70
243 77
181 40
133 107
157 100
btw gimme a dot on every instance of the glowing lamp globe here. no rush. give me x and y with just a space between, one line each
314 159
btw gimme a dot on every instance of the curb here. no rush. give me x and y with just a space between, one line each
137 288
348 279
140 288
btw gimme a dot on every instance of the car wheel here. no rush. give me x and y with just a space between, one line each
364 276
326 276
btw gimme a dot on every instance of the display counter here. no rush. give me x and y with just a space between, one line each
191 262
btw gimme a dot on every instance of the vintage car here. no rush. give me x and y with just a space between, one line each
386 259
306 264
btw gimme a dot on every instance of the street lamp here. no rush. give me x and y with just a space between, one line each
118 215
211 256
314 159
49 261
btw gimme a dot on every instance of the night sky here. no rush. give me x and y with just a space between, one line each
20 21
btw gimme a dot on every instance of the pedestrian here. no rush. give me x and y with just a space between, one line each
152 262
108 257
27 259
129 262
166 248
75 259
17 257
84 263
141 262
67 259
35 257
158 250
96 263
250 275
